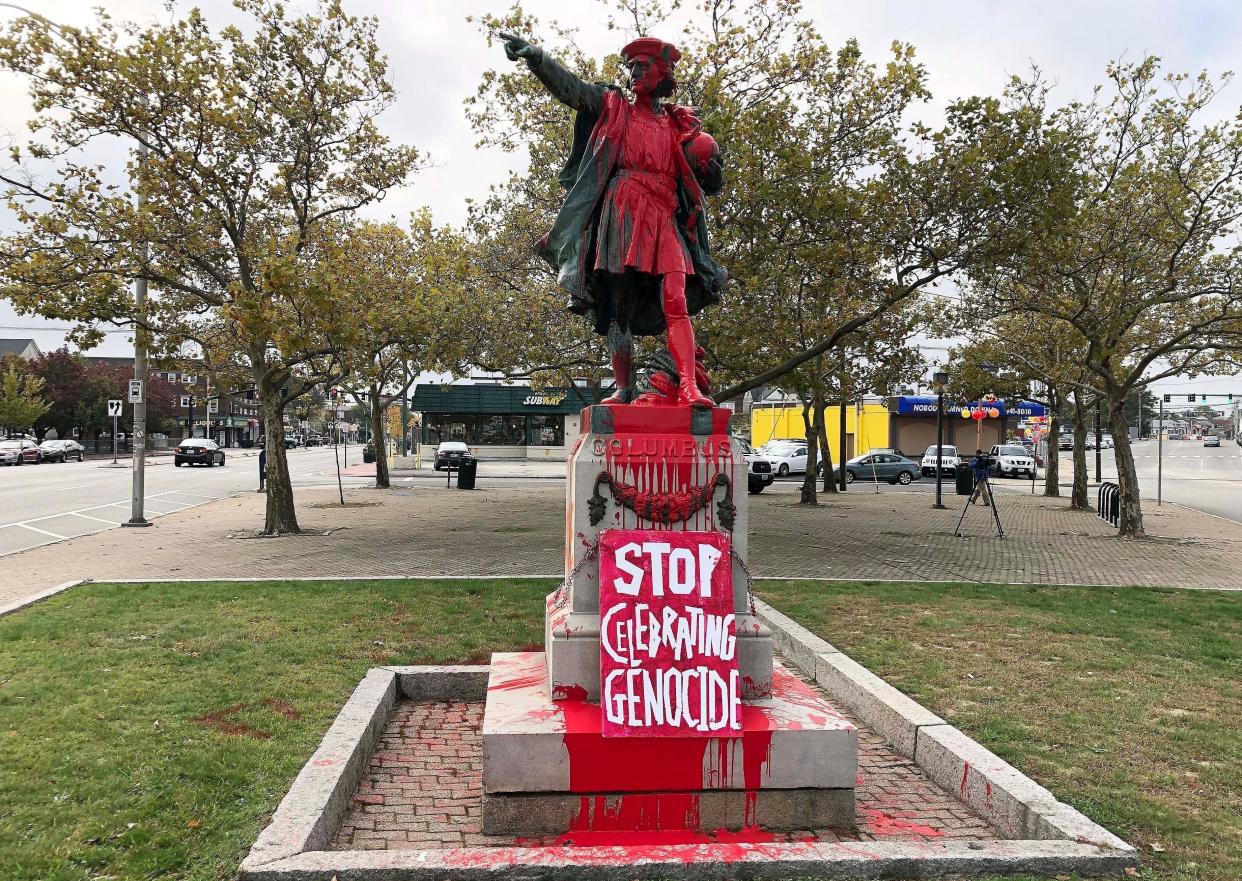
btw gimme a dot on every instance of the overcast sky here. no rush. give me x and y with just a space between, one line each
968 46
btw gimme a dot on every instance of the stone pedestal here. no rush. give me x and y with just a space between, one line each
659 453
547 769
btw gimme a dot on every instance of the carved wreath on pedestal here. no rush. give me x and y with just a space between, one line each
663 507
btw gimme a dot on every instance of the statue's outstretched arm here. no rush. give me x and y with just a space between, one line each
565 86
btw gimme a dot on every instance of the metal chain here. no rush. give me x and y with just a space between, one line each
750 579
562 592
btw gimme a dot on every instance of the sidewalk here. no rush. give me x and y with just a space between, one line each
516 529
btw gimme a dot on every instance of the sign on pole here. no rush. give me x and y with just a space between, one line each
668 647
114 408
135 391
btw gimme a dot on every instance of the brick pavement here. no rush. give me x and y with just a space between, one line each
514 527
424 790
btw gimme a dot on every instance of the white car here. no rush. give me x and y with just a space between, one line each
786 458
949 460
20 451
1011 460
758 469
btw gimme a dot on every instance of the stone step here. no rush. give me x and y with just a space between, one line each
534 744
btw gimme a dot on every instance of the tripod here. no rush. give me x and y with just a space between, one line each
983 491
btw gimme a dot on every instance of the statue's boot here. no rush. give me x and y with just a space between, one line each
623 378
681 347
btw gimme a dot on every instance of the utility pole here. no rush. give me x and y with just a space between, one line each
1160 456
1098 438
940 379
844 401
405 408
140 347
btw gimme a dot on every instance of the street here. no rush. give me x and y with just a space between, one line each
47 503
1208 479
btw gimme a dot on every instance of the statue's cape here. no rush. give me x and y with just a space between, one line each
570 245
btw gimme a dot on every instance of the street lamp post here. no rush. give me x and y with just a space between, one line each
939 380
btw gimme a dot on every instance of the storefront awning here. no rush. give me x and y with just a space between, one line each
499 399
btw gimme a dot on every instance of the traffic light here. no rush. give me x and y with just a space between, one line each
1229 396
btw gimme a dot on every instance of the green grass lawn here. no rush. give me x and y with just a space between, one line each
114 700
1126 703
149 731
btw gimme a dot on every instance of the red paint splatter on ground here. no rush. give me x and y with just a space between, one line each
282 707
569 692
882 824
219 721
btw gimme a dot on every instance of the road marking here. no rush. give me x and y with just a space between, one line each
88 517
75 486
37 529
186 492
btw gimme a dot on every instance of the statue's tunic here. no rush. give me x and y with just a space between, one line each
636 226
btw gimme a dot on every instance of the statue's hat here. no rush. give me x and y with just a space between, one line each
650 47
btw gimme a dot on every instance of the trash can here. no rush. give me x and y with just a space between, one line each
466 471
965 480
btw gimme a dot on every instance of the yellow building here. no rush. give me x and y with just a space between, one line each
866 426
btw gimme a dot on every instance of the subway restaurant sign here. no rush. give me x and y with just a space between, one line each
668 647
550 400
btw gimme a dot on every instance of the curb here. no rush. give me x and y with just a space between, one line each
18 605
294 845
999 792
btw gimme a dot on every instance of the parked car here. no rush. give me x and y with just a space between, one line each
20 451
1065 442
1106 442
1211 440
886 466
759 474
61 450
198 451
450 453
1011 460
949 460
786 458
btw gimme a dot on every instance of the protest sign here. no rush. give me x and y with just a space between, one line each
668 649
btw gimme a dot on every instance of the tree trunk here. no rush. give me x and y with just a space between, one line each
1078 497
1052 450
808 495
280 517
1131 522
830 485
377 438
